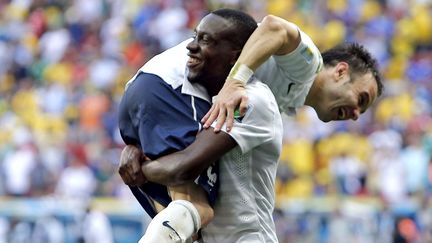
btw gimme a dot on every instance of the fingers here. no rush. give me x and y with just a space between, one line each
224 113
229 119
126 177
231 95
209 113
220 119
137 174
214 113
243 105
130 166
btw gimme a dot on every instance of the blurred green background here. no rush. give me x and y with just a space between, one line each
63 66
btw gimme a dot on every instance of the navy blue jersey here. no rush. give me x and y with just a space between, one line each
161 120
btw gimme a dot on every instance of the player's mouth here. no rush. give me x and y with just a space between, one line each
193 61
344 113
341 113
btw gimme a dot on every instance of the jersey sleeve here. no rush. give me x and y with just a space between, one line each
300 65
259 124
290 76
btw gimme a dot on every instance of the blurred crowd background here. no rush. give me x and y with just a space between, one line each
63 66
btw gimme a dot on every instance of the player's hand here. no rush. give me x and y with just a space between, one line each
231 96
129 169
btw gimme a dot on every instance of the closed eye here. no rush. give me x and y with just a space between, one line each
363 102
205 39
201 37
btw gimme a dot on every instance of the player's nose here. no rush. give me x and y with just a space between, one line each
193 45
355 113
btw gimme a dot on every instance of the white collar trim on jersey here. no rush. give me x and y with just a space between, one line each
195 89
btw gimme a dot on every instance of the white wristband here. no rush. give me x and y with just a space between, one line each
241 72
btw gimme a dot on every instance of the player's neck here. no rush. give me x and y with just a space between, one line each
213 87
212 91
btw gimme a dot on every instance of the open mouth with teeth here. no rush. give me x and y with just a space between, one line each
344 113
193 62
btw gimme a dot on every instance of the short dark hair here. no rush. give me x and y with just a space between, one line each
359 59
244 24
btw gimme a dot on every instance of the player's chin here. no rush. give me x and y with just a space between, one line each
192 76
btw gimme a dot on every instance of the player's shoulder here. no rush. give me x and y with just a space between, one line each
169 65
258 92
261 98
148 86
149 80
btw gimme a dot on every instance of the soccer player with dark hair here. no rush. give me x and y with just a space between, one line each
163 104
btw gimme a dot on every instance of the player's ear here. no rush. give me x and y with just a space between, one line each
341 70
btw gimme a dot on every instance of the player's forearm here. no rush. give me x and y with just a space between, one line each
274 36
177 168
183 166
166 170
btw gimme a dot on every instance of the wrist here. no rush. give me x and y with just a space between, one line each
240 72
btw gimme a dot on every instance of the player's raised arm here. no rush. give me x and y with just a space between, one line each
274 36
